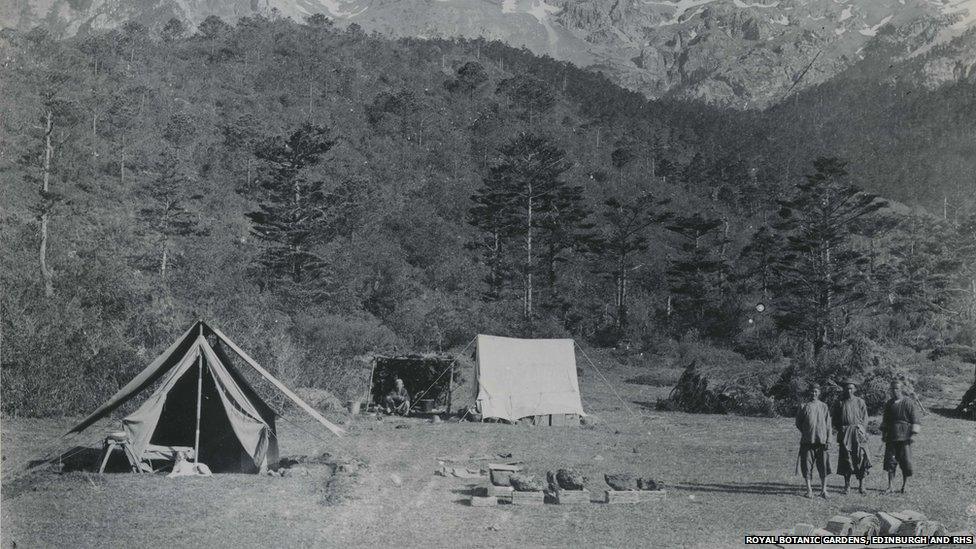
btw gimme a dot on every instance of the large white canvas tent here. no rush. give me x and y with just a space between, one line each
202 401
518 378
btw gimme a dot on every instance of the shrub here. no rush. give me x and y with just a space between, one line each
720 381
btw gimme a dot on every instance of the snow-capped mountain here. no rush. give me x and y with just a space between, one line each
739 53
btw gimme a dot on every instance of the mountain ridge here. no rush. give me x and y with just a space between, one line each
729 53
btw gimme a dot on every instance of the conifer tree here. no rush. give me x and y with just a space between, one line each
697 274
166 214
526 210
820 273
624 235
291 219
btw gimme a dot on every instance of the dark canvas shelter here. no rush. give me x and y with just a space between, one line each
425 376
200 389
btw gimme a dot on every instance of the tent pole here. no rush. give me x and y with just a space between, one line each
196 442
281 386
450 388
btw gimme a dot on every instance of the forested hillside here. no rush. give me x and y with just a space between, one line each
319 194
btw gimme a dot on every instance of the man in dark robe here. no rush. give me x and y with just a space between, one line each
397 401
813 422
901 421
850 415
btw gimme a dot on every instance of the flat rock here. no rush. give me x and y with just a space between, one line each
623 496
528 498
564 497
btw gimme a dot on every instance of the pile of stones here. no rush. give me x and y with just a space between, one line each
860 523
562 486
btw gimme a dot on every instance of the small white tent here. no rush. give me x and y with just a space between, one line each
518 378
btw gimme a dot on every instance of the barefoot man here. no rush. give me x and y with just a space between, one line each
850 415
813 421
900 422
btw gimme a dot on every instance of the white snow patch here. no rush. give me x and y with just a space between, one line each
541 11
965 8
839 31
846 14
872 31
781 20
509 6
741 4
332 8
680 7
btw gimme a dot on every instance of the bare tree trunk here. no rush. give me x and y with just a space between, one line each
94 135
310 100
122 162
162 263
527 310
46 274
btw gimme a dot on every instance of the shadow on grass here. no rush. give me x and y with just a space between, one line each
469 490
760 488
81 458
950 413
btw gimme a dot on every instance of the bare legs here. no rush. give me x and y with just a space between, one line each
891 479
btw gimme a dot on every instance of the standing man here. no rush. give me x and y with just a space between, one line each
850 415
900 422
813 421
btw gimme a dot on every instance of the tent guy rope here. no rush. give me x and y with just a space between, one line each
607 381
449 367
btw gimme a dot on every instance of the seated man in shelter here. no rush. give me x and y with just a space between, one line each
397 401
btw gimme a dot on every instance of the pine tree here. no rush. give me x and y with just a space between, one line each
963 242
292 219
917 277
698 275
493 217
820 273
757 259
525 210
165 214
624 236
564 229
53 110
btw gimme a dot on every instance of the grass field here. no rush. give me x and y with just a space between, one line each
726 476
